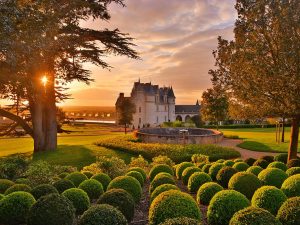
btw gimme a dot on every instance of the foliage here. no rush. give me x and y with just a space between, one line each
39 172
121 200
79 199
214 169
162 159
162 188
262 163
126 108
136 175
224 175
289 212
62 185
63 175
250 161
199 158
160 179
228 162
188 172
140 170
181 221
293 163
158 169
224 205
255 170
279 165
91 168
292 171
88 174
51 209
282 157
103 178
206 168
13 166
207 191
112 166
141 162
173 204
291 186
268 158
272 176
196 180
240 166
76 178
18 187
181 167
43 189
5 184
92 187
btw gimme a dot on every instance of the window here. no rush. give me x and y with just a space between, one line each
140 109
165 118
165 108
140 120
157 108
157 119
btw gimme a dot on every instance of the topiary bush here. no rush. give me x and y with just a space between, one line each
269 198
206 168
160 179
76 178
224 175
289 212
159 169
282 157
228 163
18 187
214 169
23 181
92 187
43 189
253 215
220 161
63 175
162 188
5 184
278 165
293 163
200 165
140 170
254 170
250 161
62 185
238 160
173 204
88 174
129 184
196 180
273 177
224 205
189 172
1 196
268 158
181 167
240 166
262 163
136 175
121 200
103 178
207 191
102 214
15 207
79 199
293 171
291 186
181 221
52 209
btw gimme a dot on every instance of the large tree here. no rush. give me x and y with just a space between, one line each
261 66
45 38
125 109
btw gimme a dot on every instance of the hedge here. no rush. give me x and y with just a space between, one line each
291 186
159 169
197 180
207 191
103 178
272 176
289 212
79 199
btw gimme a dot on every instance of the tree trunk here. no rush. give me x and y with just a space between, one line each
283 126
294 138
37 125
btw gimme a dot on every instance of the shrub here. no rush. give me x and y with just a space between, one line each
200 165
289 212
5 184
238 160
189 172
51 209
199 158
129 184
23 181
181 221
112 166
79 199
162 188
224 205
103 178
181 167
268 158
292 171
272 176
293 163
206 168
1 196
63 175
262 163
76 178
43 189
250 161
240 166
13 166
39 172
160 179
120 199
102 214
158 169
14 208
207 191
162 159
228 163
278 165
140 170
173 204
196 180
253 215
282 157
88 174
214 169
220 161
18 187
136 175
254 170
92 187
269 198
62 185
224 175
139 162
244 182
291 186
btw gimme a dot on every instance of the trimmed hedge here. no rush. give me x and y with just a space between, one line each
254 170
79 199
136 175
293 163
196 180
173 204
291 186
224 175
5 184
207 191
228 163
160 179
92 187
76 178
63 175
238 160
206 168
23 181
62 185
103 178
162 188
224 205
293 171
262 163
289 212
18 187
189 172
159 169
268 158
282 157
140 170
250 161
181 221
214 169
272 176
43 189
1 196
181 167
278 165
240 166
88 174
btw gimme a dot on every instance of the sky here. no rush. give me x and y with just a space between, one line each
175 40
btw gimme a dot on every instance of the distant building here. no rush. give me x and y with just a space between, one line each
186 112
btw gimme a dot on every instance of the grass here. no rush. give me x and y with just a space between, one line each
260 139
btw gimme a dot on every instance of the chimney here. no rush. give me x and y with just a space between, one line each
121 95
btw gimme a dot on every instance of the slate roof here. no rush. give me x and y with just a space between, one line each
187 109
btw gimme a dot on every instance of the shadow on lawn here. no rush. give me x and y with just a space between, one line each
255 146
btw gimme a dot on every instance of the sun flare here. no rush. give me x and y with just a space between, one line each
44 80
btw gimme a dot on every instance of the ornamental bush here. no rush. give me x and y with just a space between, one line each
220 161
189 172
207 191
62 185
224 205
173 204
269 198
224 175
15 207
121 200
181 221
52 209
206 168
102 214
250 161
18 187
289 212
160 179
268 158
63 175
196 180
293 163
103 178
228 163
136 175
181 167
272 176
43 189
5 184
253 216
129 184
92 187
292 171
279 165
88 174
1 196
79 199
262 163
254 170
282 157
291 186
140 170
23 181
200 165
76 178
240 166
159 168
162 188
214 169
238 160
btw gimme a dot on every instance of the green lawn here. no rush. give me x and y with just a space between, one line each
260 139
